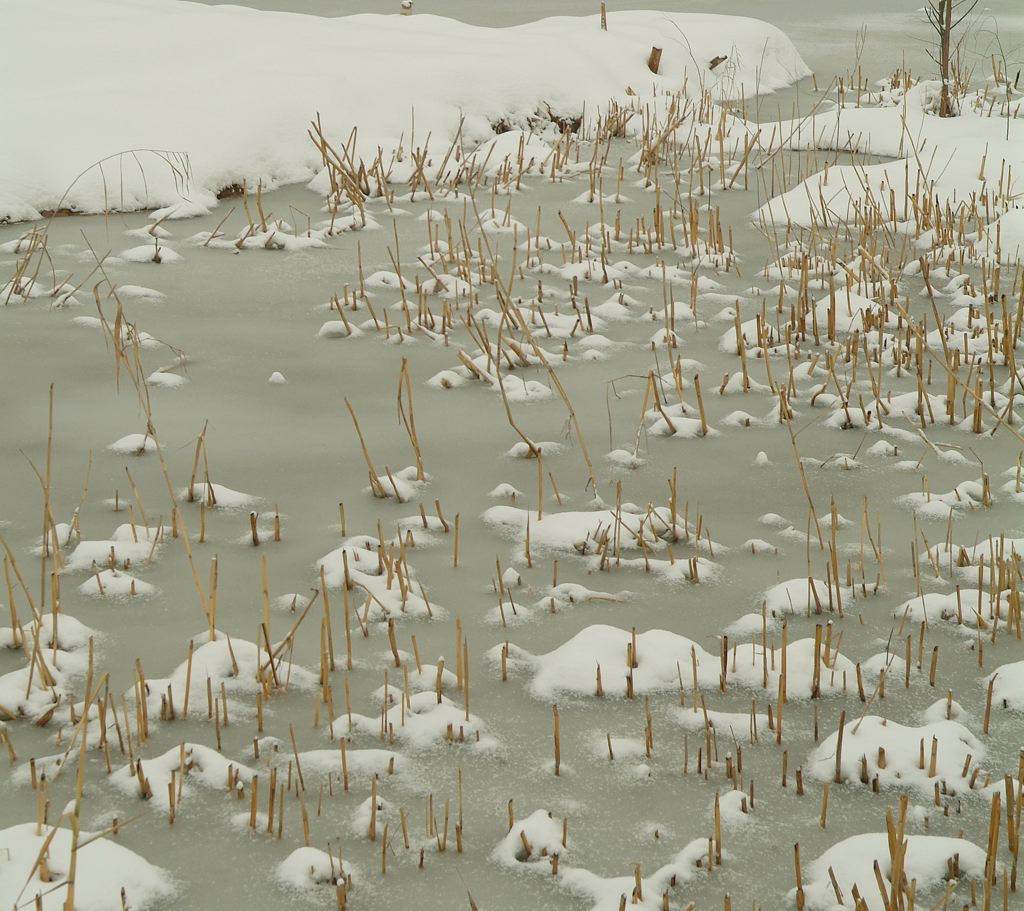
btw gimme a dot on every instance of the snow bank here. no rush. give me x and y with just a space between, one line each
368 71
944 154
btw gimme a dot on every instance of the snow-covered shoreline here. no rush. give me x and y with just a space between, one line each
241 106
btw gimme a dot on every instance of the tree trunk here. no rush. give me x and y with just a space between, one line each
945 38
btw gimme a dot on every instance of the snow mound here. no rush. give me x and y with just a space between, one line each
894 752
852 861
103 869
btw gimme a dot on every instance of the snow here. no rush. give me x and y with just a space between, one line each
664 661
543 833
945 154
499 74
801 596
166 380
133 444
71 634
1007 236
203 766
228 662
24 694
901 746
114 583
362 765
387 595
103 869
423 722
852 861
140 292
606 893
89 555
150 254
306 868
576 531
1008 689
217 495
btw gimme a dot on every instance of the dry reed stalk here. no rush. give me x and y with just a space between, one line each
557 739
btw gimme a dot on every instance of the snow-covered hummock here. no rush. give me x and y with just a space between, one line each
216 495
662 657
941 710
734 807
22 691
129 334
422 722
543 833
607 893
934 607
150 253
1008 689
103 868
964 496
370 582
203 766
802 596
580 531
293 602
902 753
403 485
732 724
132 542
165 379
505 491
227 661
307 868
62 531
852 861
362 765
114 583
554 599
140 292
498 74
133 444
67 633
970 563
1006 236
623 458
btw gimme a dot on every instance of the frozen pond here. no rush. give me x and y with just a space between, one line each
714 484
